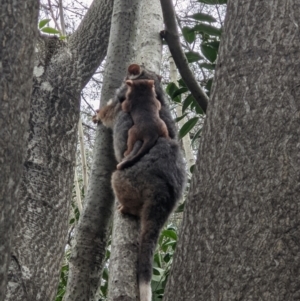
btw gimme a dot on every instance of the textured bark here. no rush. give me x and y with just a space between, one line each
124 248
88 252
240 234
18 32
61 72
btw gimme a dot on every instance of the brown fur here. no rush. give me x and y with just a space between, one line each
144 109
152 186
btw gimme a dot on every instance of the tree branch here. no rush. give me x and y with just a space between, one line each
171 35
90 41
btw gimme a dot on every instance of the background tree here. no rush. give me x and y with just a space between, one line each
126 229
240 234
89 247
18 29
62 70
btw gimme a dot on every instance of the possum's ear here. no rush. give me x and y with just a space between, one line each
134 70
129 83
159 77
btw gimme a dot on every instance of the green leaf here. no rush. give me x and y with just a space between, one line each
213 1
158 271
170 244
50 30
192 142
187 102
156 278
193 56
42 23
167 257
171 88
203 17
209 84
181 83
179 118
208 29
208 66
214 44
188 34
209 52
157 259
188 126
105 274
170 234
180 208
179 91
196 107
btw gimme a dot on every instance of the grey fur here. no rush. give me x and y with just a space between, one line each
155 182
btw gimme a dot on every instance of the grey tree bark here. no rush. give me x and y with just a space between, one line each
62 69
240 233
124 247
88 251
18 30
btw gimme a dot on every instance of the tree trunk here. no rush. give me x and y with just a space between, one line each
88 252
240 233
62 70
18 29
124 248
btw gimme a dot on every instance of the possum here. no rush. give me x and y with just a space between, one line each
151 187
144 109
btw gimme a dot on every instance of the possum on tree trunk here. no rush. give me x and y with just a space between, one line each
144 109
151 187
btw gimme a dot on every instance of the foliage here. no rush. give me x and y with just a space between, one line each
47 29
163 258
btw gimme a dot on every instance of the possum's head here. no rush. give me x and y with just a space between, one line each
141 86
136 71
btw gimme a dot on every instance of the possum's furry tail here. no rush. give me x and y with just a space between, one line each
153 217
133 158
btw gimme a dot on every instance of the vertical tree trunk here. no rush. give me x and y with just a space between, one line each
240 234
18 29
124 247
62 70
89 248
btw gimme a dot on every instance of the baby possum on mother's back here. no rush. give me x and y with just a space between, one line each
143 106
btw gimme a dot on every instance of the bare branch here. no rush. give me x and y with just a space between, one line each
52 15
171 35
62 21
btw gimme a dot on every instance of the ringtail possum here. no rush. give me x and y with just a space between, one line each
136 71
151 187
144 109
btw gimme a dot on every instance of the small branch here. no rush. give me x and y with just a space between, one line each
88 103
77 189
52 15
62 21
171 35
88 126
191 49
83 158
